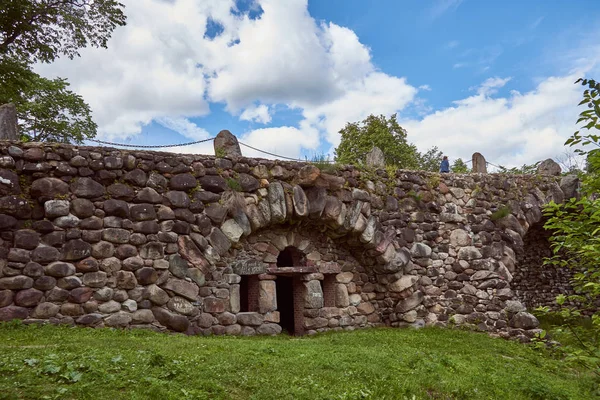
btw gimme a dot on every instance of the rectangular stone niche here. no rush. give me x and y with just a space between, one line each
249 293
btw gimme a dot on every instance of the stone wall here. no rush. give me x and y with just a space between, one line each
104 237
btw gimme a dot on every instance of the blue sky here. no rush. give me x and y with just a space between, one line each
286 75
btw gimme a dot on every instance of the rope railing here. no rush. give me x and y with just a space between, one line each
162 146
159 146
144 146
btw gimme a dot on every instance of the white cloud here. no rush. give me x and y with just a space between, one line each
377 93
285 141
257 114
163 67
426 88
490 85
511 131
184 127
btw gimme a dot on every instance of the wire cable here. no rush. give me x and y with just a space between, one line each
149 146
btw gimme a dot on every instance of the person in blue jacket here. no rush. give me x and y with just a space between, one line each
445 165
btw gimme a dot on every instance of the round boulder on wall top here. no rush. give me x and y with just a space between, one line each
549 167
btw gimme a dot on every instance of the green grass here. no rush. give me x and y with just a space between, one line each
76 363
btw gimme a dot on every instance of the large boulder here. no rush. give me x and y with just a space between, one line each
569 185
87 188
375 158
549 167
9 183
524 320
226 145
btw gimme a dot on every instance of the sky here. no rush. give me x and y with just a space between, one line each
489 76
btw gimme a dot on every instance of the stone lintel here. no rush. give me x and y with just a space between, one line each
292 270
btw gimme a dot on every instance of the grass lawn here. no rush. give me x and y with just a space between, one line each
77 363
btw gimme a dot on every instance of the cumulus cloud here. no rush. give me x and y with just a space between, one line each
257 114
175 58
513 130
285 141
165 66
184 127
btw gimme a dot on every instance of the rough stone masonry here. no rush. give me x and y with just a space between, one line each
206 245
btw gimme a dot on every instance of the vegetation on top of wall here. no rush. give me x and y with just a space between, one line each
220 152
325 164
525 169
359 138
460 167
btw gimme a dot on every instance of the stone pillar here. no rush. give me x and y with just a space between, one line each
226 145
8 122
267 297
234 298
341 295
479 164
314 294
375 158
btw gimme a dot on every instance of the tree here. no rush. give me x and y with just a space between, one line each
52 113
575 241
41 31
359 138
460 167
430 160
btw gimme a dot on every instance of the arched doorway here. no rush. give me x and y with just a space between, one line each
534 283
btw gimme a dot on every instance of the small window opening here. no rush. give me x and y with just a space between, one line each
249 292
291 257
328 288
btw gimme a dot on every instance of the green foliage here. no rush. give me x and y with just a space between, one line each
234 185
430 160
50 112
325 164
525 169
65 363
220 152
433 181
460 167
575 242
415 196
359 138
500 213
42 30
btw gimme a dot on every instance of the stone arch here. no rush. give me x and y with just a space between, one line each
291 256
283 240
534 283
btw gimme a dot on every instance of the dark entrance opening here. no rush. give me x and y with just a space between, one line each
291 257
285 303
249 292
534 283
